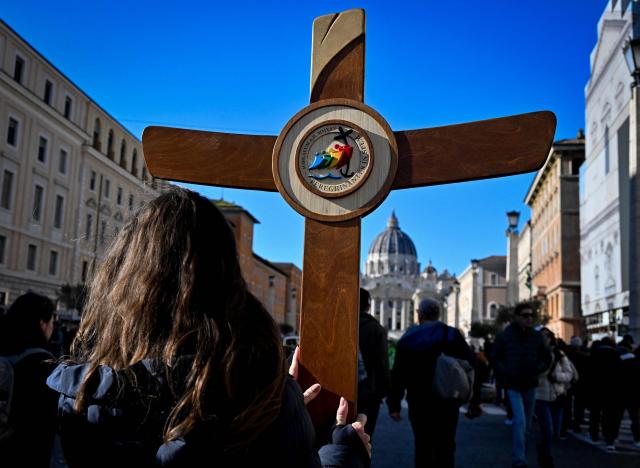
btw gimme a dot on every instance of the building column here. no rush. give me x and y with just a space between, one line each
512 266
634 218
382 301
394 315
372 309
403 316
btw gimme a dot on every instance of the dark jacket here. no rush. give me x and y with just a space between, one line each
373 346
123 426
604 376
415 360
520 356
33 414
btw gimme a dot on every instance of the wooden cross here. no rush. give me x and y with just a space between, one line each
361 160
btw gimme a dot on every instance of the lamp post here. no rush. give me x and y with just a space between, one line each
512 256
474 287
631 51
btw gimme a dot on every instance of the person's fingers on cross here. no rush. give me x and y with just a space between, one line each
358 425
311 392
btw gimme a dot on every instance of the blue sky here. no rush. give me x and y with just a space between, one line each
244 67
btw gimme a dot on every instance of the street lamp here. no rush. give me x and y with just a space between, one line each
631 51
514 218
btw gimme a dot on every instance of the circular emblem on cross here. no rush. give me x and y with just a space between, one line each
334 158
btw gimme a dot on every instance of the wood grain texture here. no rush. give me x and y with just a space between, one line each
337 54
475 150
210 158
329 326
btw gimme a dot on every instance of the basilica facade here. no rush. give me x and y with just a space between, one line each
393 278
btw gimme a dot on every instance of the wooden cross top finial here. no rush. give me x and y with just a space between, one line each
334 162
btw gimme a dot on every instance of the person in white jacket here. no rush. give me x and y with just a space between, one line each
552 386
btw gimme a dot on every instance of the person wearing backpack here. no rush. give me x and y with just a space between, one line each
425 355
27 405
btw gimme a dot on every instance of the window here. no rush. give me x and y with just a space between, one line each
92 181
134 163
42 149
493 311
107 188
18 69
7 186
130 202
68 107
119 196
62 161
53 262
272 281
103 231
37 202
85 267
48 91
57 216
123 154
3 244
96 135
32 251
87 229
110 145
494 279
12 132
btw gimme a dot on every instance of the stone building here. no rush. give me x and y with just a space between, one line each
276 285
70 174
555 236
605 201
525 285
479 293
393 278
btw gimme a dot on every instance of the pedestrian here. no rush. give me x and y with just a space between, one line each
604 391
520 357
374 386
177 364
433 420
629 393
28 430
552 387
577 394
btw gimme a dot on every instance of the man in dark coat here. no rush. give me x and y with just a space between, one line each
374 385
434 420
520 356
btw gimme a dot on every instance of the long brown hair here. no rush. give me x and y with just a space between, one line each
170 285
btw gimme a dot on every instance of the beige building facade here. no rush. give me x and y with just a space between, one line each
555 236
70 174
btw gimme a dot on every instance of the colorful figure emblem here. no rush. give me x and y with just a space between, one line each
334 158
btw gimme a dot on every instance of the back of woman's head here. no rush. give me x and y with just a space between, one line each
21 327
169 286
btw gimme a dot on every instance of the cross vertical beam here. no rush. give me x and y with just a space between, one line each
331 272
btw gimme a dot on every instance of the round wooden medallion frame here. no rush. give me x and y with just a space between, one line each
362 133
376 199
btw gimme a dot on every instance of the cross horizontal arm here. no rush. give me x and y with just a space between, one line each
210 158
475 150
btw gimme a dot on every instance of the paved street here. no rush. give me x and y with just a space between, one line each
485 443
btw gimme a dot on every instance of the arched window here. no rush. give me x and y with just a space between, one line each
97 144
123 154
110 145
144 174
134 162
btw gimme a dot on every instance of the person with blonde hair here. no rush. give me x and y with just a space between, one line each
176 363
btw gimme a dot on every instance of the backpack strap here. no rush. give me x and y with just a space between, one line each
26 353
